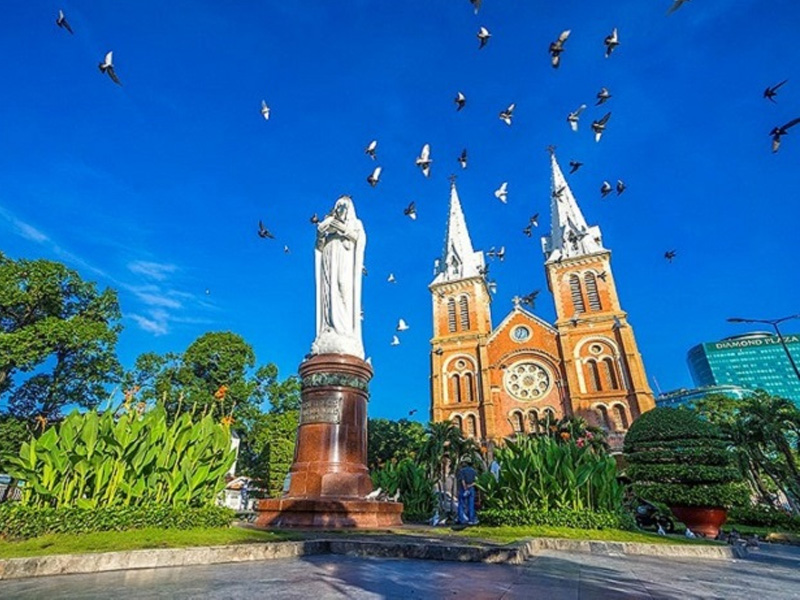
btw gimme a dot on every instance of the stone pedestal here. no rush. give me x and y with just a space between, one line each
329 476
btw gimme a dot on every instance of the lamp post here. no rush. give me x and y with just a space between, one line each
774 323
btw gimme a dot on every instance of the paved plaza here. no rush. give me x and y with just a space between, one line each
771 573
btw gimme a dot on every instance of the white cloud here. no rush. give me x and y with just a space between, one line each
153 270
157 323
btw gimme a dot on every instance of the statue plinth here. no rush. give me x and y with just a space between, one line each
329 475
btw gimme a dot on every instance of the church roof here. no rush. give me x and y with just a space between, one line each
459 260
570 236
518 310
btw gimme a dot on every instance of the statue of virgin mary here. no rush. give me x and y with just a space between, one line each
338 262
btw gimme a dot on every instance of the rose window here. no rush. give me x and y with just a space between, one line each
526 381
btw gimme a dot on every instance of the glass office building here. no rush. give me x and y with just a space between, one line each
753 361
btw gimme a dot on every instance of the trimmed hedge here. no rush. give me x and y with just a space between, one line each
677 458
22 522
574 519
764 516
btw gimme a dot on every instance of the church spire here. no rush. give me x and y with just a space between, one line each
570 236
459 260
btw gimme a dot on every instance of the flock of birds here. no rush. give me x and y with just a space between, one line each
424 161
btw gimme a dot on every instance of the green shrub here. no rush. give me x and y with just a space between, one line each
91 460
538 473
761 515
677 458
575 519
416 490
18 521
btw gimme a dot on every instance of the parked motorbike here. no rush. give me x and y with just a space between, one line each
649 515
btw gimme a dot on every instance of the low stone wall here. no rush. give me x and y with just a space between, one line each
64 564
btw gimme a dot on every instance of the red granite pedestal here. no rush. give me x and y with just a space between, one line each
329 476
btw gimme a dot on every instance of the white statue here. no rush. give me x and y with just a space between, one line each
338 261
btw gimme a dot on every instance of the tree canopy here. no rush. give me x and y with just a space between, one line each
58 335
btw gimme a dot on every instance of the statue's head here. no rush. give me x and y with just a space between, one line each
343 208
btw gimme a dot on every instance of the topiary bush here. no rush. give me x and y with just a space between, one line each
574 519
18 521
677 458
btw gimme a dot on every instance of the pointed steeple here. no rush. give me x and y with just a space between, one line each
459 260
570 236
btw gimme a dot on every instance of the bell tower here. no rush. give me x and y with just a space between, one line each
605 373
462 325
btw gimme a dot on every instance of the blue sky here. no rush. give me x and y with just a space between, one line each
155 188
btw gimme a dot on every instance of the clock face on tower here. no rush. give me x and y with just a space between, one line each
526 380
520 333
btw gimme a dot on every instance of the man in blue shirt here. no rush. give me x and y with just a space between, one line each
465 481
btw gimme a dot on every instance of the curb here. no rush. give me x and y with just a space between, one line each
69 564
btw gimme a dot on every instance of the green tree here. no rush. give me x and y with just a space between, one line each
13 433
61 330
270 450
389 441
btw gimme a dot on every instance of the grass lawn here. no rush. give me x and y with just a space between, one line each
515 534
137 539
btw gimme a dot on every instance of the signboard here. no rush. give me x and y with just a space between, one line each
753 342
321 410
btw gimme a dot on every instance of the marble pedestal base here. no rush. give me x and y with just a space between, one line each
329 476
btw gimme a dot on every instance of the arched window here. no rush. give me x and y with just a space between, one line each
458 422
591 291
518 422
594 376
549 416
463 304
533 417
611 372
472 426
621 417
605 422
455 388
577 295
451 315
469 390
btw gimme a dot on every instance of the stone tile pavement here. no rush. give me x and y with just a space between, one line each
771 573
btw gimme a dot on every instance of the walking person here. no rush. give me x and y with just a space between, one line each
465 480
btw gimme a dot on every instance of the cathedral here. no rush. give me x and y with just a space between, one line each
494 382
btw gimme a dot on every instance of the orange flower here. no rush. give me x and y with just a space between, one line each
565 435
227 421
220 393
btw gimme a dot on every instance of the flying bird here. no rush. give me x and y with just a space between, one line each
401 325
605 189
530 299
501 193
557 193
460 101
462 160
411 211
507 114
264 110
285 249
107 66
621 187
370 149
611 42
314 219
603 96
778 132
476 4
670 254
676 5
483 36
410 414
263 232
528 231
534 220
374 177
602 275
391 278
599 127
771 92
395 341
573 117
364 271
62 22
499 254
424 160
557 47
574 165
